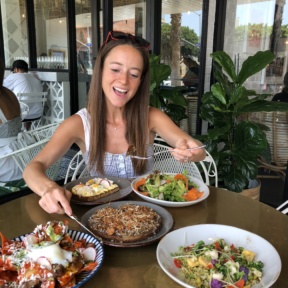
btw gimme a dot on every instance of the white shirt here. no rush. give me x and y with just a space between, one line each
25 83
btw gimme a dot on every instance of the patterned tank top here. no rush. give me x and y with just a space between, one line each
116 165
9 128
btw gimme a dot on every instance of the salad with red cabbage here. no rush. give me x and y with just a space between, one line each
218 265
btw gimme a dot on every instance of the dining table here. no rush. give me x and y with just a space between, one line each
133 267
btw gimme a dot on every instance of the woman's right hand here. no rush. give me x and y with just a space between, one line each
56 200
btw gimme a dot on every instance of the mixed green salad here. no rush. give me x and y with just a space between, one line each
169 187
218 265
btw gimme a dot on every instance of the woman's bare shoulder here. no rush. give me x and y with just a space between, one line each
71 128
75 119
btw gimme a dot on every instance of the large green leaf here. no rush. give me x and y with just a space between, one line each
158 71
156 101
218 92
236 175
250 140
174 96
235 181
240 93
175 112
208 113
254 64
216 133
263 105
222 79
244 100
239 163
246 166
224 60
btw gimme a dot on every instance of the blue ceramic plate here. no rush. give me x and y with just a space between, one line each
84 276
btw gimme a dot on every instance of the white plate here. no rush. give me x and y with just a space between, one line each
265 252
84 276
167 223
202 188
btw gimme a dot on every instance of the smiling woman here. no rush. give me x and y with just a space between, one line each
118 98
124 76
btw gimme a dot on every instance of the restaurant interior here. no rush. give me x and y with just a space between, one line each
60 40
66 67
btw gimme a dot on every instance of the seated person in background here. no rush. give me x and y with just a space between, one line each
283 95
117 114
22 82
10 126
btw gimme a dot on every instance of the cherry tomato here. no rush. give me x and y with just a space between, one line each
239 284
210 266
178 263
217 246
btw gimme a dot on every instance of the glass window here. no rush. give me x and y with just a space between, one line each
181 23
83 36
259 26
14 31
180 49
51 34
84 49
130 18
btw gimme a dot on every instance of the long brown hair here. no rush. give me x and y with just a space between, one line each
135 113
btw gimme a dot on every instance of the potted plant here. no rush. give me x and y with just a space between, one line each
236 145
167 98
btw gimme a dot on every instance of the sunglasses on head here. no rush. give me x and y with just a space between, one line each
115 35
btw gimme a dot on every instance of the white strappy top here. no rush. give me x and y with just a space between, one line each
116 165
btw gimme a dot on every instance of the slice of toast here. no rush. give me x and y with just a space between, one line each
92 192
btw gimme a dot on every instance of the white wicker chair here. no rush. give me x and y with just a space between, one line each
205 170
29 144
32 98
24 110
23 156
26 138
76 168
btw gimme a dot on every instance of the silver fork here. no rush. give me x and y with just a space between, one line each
164 151
74 217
